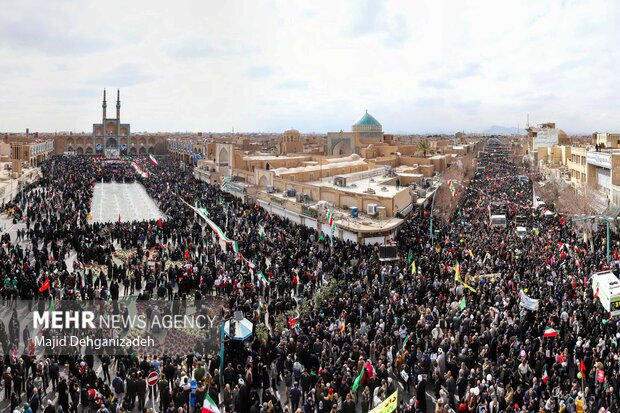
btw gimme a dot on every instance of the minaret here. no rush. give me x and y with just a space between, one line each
118 112
105 105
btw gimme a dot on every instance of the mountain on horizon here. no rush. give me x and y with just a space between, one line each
502 130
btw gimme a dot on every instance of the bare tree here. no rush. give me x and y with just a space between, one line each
576 202
583 200
445 202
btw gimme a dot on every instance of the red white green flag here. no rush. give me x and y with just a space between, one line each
293 320
452 188
209 406
153 160
550 332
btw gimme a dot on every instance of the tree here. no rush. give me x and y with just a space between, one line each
445 203
581 200
424 145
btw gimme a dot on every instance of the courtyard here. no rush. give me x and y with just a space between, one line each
130 201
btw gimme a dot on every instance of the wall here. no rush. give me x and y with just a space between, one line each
615 166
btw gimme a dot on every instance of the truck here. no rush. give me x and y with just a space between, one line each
497 214
606 286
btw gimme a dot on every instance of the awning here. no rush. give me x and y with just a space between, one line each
611 212
407 210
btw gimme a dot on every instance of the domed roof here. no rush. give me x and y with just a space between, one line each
367 119
367 123
291 131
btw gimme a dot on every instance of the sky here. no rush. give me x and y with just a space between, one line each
265 66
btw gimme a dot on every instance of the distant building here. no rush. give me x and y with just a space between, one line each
291 142
26 150
364 132
545 135
110 138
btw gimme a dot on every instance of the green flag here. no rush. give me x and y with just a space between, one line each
322 237
358 380
409 256
463 304
406 340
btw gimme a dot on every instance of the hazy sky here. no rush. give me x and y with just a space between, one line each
417 66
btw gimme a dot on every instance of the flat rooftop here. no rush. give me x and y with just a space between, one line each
272 157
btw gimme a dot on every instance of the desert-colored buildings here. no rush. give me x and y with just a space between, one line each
369 181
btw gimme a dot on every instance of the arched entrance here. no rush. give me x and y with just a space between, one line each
341 148
223 158
263 181
80 151
142 151
89 151
133 151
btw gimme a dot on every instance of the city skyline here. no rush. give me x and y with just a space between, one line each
420 67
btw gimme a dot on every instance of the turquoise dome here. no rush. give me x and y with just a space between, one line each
367 124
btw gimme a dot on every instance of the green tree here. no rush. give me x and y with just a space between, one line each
424 146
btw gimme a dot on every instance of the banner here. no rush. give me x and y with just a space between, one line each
527 302
388 405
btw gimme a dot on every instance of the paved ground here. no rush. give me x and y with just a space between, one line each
130 201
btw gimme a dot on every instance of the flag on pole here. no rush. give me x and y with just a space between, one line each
413 268
119 218
153 160
209 406
545 376
409 256
463 304
261 232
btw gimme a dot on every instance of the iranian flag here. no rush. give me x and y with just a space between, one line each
209 406
293 320
153 160
550 332
262 278
452 188
329 217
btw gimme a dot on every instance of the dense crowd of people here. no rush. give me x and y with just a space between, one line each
443 324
